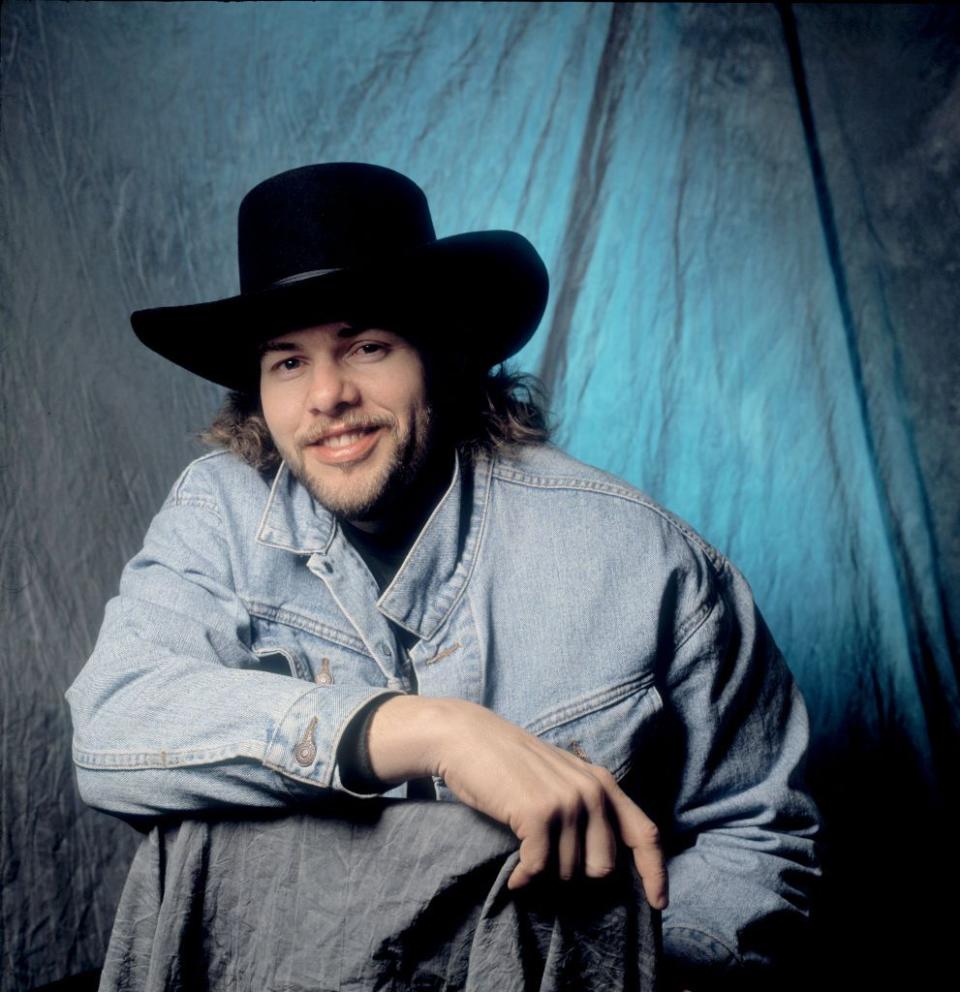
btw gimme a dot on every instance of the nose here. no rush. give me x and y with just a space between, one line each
332 389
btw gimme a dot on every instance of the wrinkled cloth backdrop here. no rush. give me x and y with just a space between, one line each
751 220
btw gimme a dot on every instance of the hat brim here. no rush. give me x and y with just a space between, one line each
481 294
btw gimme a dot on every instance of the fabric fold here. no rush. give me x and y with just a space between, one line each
382 895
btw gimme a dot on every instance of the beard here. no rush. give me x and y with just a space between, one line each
363 492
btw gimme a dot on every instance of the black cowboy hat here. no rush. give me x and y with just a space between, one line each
354 242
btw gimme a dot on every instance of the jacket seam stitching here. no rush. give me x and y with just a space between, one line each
325 769
341 730
298 621
710 936
592 704
447 611
182 479
716 559
163 758
297 670
201 502
481 532
300 549
696 620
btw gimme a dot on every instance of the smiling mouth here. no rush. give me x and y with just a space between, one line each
345 440
345 446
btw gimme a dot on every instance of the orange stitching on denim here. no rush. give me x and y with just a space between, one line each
575 749
440 655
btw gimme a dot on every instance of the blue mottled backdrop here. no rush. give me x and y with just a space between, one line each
751 218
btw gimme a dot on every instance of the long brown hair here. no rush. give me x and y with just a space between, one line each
483 414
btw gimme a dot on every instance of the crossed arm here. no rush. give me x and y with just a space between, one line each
567 814
172 715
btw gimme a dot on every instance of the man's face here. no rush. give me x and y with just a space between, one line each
348 411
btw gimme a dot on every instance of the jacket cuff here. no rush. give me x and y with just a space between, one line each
353 753
304 743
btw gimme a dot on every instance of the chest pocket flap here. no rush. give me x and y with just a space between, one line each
605 727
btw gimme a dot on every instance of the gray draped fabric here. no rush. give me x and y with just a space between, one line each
386 894
750 216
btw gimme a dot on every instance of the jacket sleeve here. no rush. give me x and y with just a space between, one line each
170 714
742 833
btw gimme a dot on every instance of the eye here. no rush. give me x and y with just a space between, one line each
367 350
286 365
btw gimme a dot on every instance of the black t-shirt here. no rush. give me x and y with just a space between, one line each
383 551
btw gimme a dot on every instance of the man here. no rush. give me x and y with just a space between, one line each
466 609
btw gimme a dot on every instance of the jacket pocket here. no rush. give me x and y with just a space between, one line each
279 661
286 648
605 727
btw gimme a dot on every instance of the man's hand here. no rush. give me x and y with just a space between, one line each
567 813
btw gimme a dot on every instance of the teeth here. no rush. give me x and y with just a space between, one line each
342 440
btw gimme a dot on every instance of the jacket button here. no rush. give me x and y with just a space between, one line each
306 748
327 567
305 753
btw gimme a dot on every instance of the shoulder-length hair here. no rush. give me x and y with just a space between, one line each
495 410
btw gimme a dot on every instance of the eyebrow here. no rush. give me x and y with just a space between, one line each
278 344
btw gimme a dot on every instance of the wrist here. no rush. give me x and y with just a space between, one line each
353 752
407 737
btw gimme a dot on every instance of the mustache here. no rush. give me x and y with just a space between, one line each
317 432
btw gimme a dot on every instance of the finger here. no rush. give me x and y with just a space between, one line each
640 834
600 844
596 851
653 872
568 845
534 857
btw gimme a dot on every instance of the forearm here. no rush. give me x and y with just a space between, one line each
167 719
273 764
408 735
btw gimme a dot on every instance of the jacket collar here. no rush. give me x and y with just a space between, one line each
292 521
438 566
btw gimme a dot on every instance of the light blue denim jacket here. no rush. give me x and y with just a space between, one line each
552 593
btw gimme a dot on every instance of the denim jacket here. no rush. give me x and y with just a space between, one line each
550 592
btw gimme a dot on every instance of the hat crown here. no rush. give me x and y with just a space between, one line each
351 241
330 216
